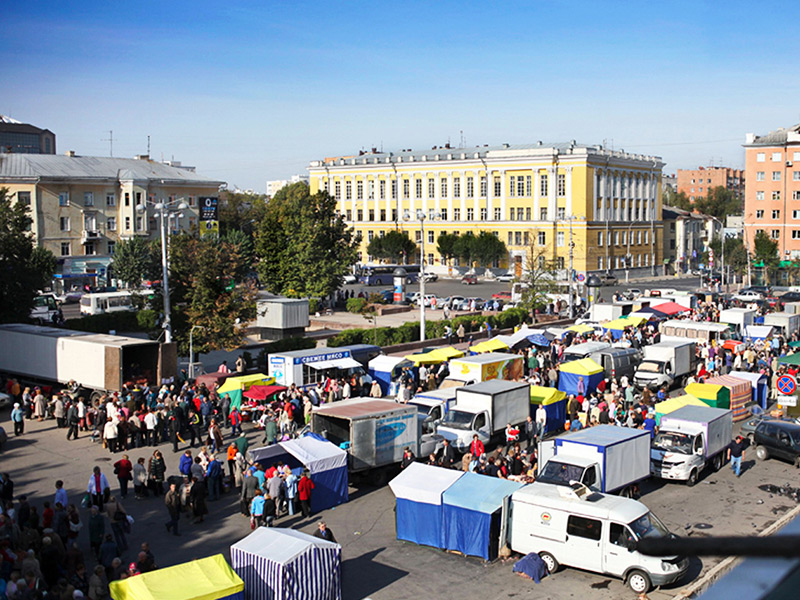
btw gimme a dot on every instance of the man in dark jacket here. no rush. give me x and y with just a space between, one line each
72 421
324 533
214 479
173 501
447 455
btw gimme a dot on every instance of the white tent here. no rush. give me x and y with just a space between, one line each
284 564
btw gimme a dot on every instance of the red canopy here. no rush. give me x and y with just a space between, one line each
213 379
262 392
670 308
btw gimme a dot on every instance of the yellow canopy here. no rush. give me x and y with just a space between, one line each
584 366
581 329
427 358
244 382
447 353
546 395
489 346
703 390
672 404
208 578
622 323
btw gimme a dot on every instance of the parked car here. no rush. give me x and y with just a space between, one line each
502 295
748 429
469 280
430 277
608 278
506 277
3 437
5 400
749 296
779 439
761 289
349 278
790 297
70 297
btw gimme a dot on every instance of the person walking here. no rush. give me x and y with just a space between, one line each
18 418
304 488
324 533
72 421
214 478
139 479
197 499
172 500
736 454
119 522
110 434
98 488
155 472
123 468
290 481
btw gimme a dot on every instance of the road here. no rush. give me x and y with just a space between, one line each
376 565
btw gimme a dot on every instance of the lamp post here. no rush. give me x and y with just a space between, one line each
191 350
628 254
724 280
164 210
420 216
570 278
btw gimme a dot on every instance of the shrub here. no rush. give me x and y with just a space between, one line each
347 338
314 305
119 322
356 304
147 319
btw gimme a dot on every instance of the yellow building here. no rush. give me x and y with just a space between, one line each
82 206
533 197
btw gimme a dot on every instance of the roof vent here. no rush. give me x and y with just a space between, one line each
539 143
70 153
142 157
505 145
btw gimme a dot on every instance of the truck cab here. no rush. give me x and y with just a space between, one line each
677 454
460 425
654 373
566 472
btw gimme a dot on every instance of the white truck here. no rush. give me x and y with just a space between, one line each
604 458
667 363
485 409
594 532
433 406
688 440
787 323
739 318
482 367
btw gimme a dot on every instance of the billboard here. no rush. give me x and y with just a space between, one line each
209 216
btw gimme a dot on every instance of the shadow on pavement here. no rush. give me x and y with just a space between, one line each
356 585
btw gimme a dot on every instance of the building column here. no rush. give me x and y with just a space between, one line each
489 198
449 195
503 215
552 198
568 191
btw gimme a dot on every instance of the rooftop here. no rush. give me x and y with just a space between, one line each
780 136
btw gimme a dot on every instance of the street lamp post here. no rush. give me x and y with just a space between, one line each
724 280
420 216
628 253
191 350
164 210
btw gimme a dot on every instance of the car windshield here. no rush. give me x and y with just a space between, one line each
649 526
458 419
560 473
421 408
673 442
651 366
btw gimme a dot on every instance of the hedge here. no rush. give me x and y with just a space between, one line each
409 332
140 321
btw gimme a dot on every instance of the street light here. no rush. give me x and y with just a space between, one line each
722 244
164 210
628 255
191 350
421 216
570 278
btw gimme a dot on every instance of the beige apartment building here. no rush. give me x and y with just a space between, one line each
82 206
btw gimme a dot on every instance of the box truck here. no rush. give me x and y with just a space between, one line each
485 409
591 531
604 458
787 323
433 406
483 367
667 363
738 318
702 331
688 440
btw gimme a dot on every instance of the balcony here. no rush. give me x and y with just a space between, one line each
89 235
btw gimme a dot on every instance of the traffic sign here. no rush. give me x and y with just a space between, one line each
786 385
787 400
581 277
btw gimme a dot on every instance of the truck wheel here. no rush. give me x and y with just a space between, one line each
627 492
95 397
762 453
378 282
378 477
550 561
717 464
692 478
639 582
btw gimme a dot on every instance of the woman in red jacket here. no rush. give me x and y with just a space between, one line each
304 487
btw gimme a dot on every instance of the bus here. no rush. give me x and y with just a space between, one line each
384 274
106 302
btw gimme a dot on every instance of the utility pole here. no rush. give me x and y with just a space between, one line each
110 141
571 278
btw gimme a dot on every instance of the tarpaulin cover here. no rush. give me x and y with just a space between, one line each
758 332
489 346
647 315
326 461
448 352
284 564
740 393
517 339
213 379
651 311
244 381
670 308
418 513
571 372
468 507
715 396
538 339
555 405
758 386
733 345
209 578
531 565
790 359
262 392
617 327
426 358
335 363
673 404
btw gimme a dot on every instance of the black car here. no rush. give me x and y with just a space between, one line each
790 297
779 439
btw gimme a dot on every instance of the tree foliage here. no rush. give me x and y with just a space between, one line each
136 259
394 246
43 264
483 248
245 249
539 278
489 248
303 247
464 248
445 245
21 278
240 212
720 202
735 254
677 199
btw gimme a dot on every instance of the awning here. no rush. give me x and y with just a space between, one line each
489 346
582 328
243 382
336 363
262 392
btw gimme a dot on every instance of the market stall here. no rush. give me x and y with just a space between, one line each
472 514
387 369
714 395
739 393
326 462
418 513
759 386
209 578
213 380
492 345
670 308
555 405
673 404
284 564
571 372
234 387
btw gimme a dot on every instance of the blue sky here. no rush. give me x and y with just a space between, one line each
255 90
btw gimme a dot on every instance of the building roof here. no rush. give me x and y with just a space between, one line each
52 167
781 135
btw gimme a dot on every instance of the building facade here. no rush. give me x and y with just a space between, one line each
696 183
535 198
82 206
686 236
772 195
278 184
22 138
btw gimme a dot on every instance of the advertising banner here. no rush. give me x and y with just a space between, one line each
209 216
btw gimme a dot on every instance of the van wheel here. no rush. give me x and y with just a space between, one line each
95 397
378 477
717 464
692 478
627 492
550 561
639 582
762 453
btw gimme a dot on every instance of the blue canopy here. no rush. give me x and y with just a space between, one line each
537 339
471 509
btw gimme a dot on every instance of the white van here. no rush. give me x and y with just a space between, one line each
590 531
106 302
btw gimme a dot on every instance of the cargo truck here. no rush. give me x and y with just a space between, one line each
786 322
433 406
669 362
97 362
738 318
373 432
485 409
688 440
483 367
703 331
604 458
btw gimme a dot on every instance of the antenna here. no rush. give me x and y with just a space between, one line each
110 141
148 145
463 142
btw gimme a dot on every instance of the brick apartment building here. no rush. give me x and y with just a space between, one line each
696 183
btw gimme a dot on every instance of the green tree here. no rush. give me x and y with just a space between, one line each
677 199
245 249
719 203
464 248
765 250
539 278
735 254
136 259
241 212
43 265
303 247
488 248
394 246
21 279
445 245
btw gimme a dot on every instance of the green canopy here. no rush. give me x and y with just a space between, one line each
794 344
790 359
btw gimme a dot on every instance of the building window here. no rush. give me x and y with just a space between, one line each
456 214
348 190
371 235
528 185
394 189
470 187
383 214
776 176
418 188
561 213
777 157
139 198
127 223
456 187
65 249
431 188
796 175
761 157
140 224
561 185
483 187
111 223
560 239
484 214
520 214
371 189
541 238
382 189
639 236
616 238
337 190
517 238
498 186
599 238
776 214
359 215
192 199
371 214
431 237
759 214
349 215
776 195
510 238
88 198
24 198
444 214
796 195
543 185
760 176
111 247
760 195
64 223
111 200
599 262
63 199
470 214
540 262
512 186
776 234
359 190
796 214
543 214
520 186
528 213
443 187
796 234
498 213
406 189
560 262
381 234
88 249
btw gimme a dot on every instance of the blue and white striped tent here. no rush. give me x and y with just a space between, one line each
284 564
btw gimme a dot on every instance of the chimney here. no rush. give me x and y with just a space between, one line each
142 157
70 153
749 138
